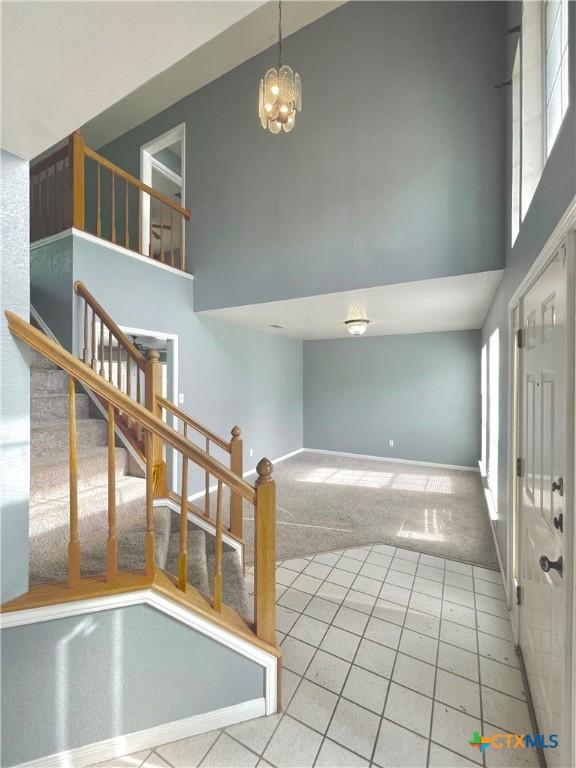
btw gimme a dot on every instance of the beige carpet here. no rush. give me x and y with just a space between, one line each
328 502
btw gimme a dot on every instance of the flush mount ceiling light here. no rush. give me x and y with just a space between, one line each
356 327
280 92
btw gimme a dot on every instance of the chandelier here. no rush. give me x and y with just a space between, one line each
280 92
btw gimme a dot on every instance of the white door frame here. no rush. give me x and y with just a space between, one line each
172 362
564 232
148 162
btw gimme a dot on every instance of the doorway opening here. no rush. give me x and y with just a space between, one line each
162 166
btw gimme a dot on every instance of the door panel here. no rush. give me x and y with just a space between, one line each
542 614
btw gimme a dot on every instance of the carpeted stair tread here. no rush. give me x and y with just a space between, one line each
48 408
234 589
49 534
197 569
46 437
48 381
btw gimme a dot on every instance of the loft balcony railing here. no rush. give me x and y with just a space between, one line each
77 187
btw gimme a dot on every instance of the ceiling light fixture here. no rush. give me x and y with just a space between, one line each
280 94
356 327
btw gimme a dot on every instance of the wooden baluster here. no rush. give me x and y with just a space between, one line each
85 352
207 485
139 198
162 232
112 544
183 558
150 245
149 504
265 553
138 399
217 600
110 359
152 391
236 465
128 383
126 219
102 369
74 544
93 350
113 207
76 153
98 204
171 237
182 245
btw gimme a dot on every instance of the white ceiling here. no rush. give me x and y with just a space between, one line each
251 35
444 304
64 63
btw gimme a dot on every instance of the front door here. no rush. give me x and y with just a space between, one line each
542 523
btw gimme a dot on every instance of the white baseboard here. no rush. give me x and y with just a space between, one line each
151 737
393 460
248 472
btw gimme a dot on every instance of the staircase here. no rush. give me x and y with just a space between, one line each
49 508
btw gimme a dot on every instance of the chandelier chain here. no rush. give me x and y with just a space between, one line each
279 33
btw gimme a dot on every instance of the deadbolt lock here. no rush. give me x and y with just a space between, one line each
558 485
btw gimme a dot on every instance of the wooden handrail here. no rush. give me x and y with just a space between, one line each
183 416
128 345
98 384
137 183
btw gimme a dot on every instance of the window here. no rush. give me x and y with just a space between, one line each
484 408
516 137
556 30
493 414
532 154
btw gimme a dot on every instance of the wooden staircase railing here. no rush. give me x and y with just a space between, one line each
77 187
110 353
261 496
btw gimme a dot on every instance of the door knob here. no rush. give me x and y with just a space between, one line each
558 485
551 565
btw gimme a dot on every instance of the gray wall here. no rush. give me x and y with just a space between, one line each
393 173
15 379
79 680
556 189
420 390
229 375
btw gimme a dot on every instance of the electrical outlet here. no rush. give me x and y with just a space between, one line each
391 443
251 451
181 398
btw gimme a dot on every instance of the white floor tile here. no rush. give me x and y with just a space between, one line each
459 614
328 670
427 587
373 571
454 730
414 674
403 565
423 623
432 560
456 567
509 758
419 646
318 570
290 682
497 649
306 584
491 605
427 572
333 755
408 554
334 592
375 658
490 589
366 688
350 620
327 558
349 564
398 748
318 608
285 618
340 643
297 564
294 600
505 712
312 705
375 558
386 549
502 678
154 761
457 634
425 604
285 577
357 554
457 692
228 753
354 728
366 584
343 578
395 594
458 580
492 625
187 752
296 655
487 575
443 758
460 596
388 611
384 632
293 744
458 661
254 734
309 630
359 601
133 760
400 579
409 708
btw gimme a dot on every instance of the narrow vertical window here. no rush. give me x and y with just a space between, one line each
516 138
484 410
556 38
493 414
532 158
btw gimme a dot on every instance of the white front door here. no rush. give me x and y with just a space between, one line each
542 521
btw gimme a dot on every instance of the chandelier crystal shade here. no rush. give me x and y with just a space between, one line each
280 95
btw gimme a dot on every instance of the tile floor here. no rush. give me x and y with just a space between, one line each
391 659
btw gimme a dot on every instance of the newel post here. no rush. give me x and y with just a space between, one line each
153 391
76 159
265 554
236 465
